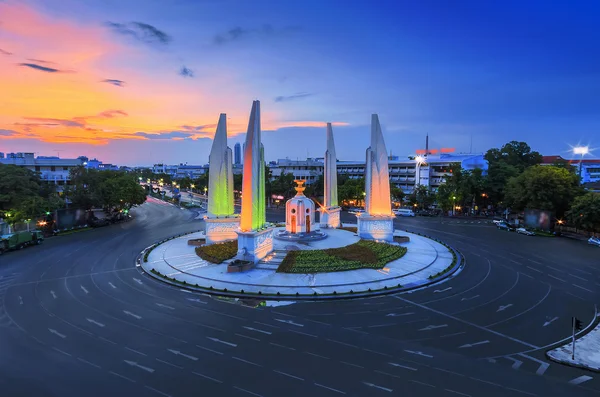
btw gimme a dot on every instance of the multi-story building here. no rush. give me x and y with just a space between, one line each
237 154
190 171
308 170
53 170
587 169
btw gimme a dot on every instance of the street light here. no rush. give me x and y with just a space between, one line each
581 150
453 204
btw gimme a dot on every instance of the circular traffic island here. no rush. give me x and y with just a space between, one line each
340 266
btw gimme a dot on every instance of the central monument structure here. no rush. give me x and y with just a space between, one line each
221 222
330 212
377 222
255 237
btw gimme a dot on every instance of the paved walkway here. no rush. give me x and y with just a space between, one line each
425 257
587 351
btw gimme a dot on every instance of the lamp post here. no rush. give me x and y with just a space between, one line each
453 204
581 150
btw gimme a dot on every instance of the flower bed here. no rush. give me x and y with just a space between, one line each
217 253
364 254
352 229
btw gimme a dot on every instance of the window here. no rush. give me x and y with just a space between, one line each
65 168
52 168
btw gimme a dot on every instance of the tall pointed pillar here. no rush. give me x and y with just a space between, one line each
330 212
255 239
221 223
377 222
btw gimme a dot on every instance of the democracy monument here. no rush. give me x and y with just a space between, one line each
244 255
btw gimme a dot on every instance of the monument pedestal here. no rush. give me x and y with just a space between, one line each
221 229
376 227
330 217
255 245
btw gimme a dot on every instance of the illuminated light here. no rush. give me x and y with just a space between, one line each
420 160
447 150
582 150
42 223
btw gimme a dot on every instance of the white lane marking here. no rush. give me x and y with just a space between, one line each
502 308
112 285
380 325
454 334
329 388
247 391
132 315
457 392
122 376
303 333
555 269
246 361
550 321
84 289
534 269
521 313
422 383
468 299
178 353
185 290
248 337
282 346
107 340
376 352
399 315
437 291
137 280
536 262
419 353
53 294
485 381
165 306
207 377
521 391
55 332
267 325
556 278
135 351
197 300
377 386
403 366
580 380
581 278
430 327
516 363
343 343
289 322
89 363
210 350
448 371
483 342
95 322
525 274
168 363
583 288
222 341
258 330
317 355
135 364
289 375
543 365
157 391
20 300
350 364
62 351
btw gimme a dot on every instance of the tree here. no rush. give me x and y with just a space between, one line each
396 193
585 212
422 197
544 188
350 189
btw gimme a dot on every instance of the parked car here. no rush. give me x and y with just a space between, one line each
404 212
356 211
524 231
594 241
506 226
498 221
99 222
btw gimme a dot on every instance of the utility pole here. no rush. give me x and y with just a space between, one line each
577 326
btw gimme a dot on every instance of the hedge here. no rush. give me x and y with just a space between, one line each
217 253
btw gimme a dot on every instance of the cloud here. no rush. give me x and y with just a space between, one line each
186 72
49 122
298 95
118 83
165 135
239 33
40 68
109 114
141 31
9 133
41 61
3 52
197 128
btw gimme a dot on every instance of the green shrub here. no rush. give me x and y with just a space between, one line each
352 229
217 253
364 254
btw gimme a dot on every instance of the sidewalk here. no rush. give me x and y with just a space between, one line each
587 351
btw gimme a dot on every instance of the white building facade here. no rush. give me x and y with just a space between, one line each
53 170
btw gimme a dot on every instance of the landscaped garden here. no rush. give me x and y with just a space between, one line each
217 253
364 254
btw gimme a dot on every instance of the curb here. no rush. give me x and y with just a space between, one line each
459 262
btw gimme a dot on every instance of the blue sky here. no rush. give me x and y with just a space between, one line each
490 71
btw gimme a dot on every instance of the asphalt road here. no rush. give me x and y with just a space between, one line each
77 318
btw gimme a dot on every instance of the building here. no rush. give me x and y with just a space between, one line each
308 170
190 171
237 154
588 169
53 170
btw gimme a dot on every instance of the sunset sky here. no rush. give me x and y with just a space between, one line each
137 82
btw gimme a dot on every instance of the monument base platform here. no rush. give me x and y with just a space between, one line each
376 227
330 217
221 229
255 245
